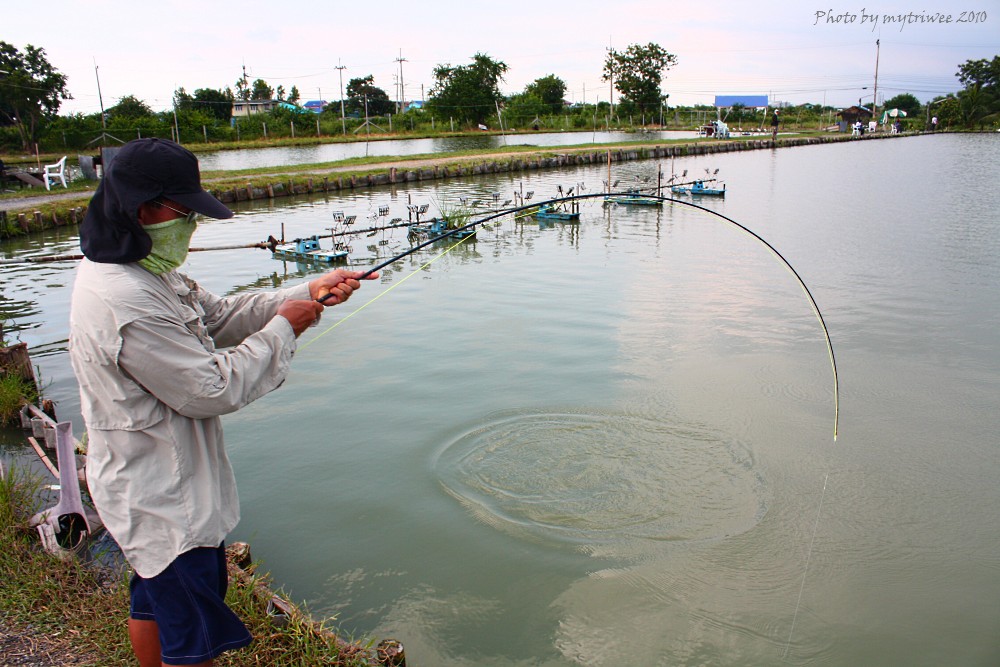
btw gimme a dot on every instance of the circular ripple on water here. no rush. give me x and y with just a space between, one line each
598 478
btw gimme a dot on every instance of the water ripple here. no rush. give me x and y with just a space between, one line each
589 478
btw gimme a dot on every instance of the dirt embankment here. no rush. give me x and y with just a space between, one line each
22 203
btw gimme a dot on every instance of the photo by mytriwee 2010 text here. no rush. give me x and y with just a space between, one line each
874 19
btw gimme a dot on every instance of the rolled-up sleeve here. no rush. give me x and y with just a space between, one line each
170 362
230 319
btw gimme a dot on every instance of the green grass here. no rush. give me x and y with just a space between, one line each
74 609
456 216
14 392
70 608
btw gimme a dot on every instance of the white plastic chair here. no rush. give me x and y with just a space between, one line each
55 172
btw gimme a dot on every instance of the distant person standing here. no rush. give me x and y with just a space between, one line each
774 125
934 124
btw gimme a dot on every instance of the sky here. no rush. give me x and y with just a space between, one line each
791 51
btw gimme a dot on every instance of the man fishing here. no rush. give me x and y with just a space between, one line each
159 360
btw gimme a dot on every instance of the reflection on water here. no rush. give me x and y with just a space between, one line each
282 156
484 461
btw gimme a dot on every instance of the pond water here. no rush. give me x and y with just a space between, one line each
611 443
290 155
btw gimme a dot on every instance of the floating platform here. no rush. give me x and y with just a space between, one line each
633 200
308 250
698 189
437 227
546 212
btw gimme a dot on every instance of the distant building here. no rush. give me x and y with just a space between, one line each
415 105
250 107
292 107
316 106
855 113
851 115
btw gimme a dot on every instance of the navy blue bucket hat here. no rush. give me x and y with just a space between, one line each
143 170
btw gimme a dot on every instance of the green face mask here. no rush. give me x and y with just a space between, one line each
171 240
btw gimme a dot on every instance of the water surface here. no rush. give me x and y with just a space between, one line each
291 155
611 443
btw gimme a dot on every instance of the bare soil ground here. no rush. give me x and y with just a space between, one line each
29 648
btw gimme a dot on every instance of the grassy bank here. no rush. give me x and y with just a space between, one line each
76 614
43 209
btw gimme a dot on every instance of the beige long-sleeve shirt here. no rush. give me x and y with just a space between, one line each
159 360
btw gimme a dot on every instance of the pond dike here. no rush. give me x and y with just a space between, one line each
19 216
477 166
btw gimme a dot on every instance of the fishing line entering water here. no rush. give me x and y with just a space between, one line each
805 570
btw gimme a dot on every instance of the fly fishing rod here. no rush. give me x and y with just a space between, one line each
561 200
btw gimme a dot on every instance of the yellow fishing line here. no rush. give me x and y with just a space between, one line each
384 292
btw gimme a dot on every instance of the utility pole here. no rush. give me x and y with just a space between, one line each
343 123
611 81
177 127
368 127
875 95
402 93
104 126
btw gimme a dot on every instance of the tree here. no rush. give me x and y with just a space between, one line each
979 102
280 92
947 111
31 90
550 90
637 73
294 96
182 100
129 108
468 92
261 91
242 89
982 72
216 103
524 108
363 88
904 101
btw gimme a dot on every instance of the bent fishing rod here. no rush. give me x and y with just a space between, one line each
560 200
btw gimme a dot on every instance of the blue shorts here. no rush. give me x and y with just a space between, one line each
187 602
